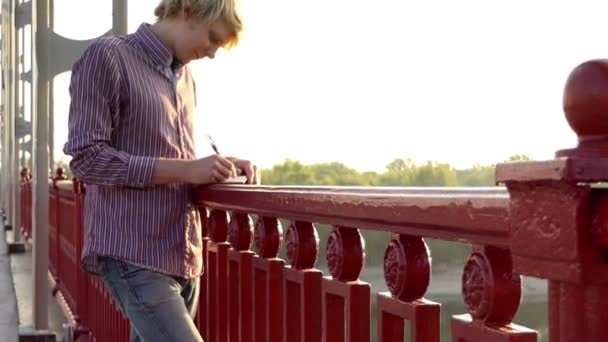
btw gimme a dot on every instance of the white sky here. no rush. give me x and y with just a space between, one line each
363 82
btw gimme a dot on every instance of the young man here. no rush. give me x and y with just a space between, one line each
132 142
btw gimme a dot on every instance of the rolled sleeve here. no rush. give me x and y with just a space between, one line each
140 171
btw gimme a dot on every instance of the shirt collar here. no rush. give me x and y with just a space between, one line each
156 49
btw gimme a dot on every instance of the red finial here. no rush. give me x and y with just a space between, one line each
25 174
60 174
586 109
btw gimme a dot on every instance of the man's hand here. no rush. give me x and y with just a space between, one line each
247 167
212 169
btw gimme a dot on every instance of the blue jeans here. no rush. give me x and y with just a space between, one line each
160 307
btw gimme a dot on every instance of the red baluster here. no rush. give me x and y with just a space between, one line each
88 300
302 291
268 281
111 333
123 335
62 218
346 300
125 326
407 272
23 178
54 236
492 293
83 304
101 332
28 204
218 276
240 278
202 318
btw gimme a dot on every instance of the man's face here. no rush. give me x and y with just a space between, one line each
197 40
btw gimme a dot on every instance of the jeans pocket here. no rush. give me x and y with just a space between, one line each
102 264
128 271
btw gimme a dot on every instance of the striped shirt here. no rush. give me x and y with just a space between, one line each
131 104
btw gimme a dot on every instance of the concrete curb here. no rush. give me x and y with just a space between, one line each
9 315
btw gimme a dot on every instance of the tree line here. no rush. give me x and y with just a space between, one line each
399 172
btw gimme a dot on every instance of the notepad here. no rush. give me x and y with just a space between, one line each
236 180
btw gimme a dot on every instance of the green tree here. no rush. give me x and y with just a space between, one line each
290 172
435 174
399 172
519 157
336 174
478 175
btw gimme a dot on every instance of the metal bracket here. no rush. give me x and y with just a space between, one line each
65 51
28 334
23 14
16 248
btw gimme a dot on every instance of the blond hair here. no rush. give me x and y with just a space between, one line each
208 11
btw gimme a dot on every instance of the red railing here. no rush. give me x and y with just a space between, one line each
249 296
257 295
549 221
26 204
84 298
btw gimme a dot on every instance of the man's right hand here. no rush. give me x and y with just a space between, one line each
212 169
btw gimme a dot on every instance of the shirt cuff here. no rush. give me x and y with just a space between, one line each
140 170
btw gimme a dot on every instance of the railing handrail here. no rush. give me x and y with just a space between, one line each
482 190
473 215
64 185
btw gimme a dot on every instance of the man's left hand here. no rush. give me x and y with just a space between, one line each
248 168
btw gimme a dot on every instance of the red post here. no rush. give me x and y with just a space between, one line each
240 278
218 276
346 314
55 236
268 282
346 300
302 289
203 309
407 270
465 329
24 209
27 224
202 314
492 293
62 218
83 305
558 221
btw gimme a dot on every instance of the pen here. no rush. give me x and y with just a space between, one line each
239 172
213 145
